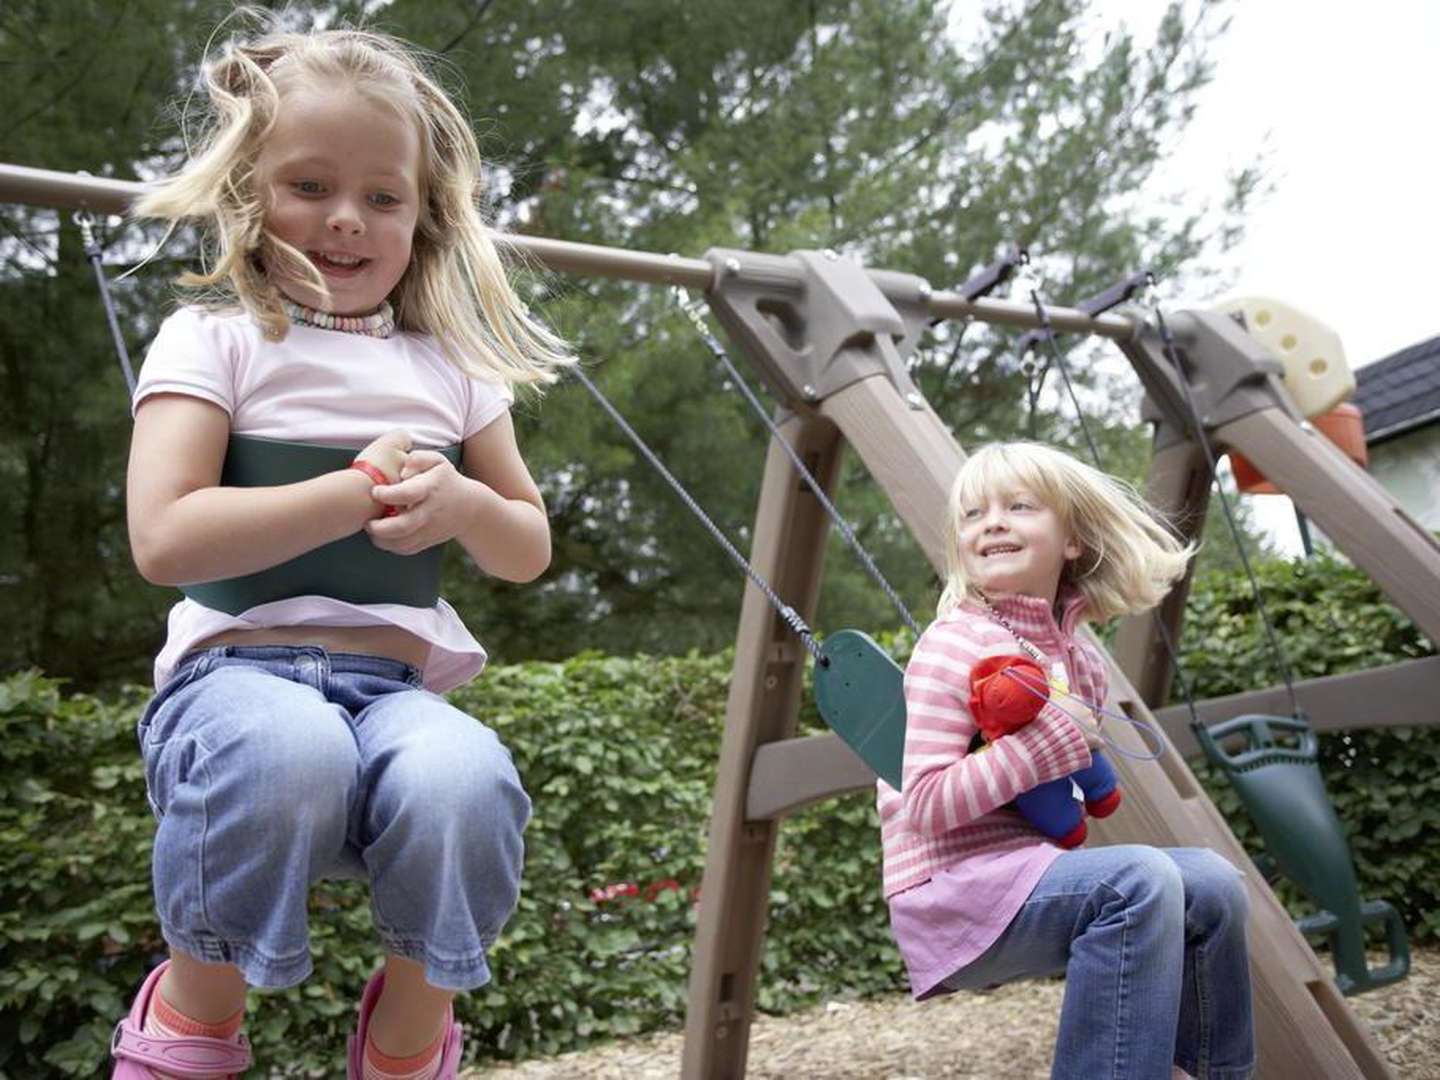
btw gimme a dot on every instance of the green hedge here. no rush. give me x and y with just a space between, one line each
619 755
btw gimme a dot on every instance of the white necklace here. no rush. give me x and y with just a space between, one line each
378 324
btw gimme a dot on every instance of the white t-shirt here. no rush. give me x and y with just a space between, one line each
332 388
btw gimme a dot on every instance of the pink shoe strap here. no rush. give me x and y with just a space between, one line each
184 1056
450 1051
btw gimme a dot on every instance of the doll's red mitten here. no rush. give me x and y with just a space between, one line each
999 702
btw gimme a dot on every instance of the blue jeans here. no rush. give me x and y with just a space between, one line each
1152 945
269 768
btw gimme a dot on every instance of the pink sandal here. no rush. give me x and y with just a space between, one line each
136 1053
355 1060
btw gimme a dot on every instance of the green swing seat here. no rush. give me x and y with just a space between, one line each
1278 780
860 694
350 569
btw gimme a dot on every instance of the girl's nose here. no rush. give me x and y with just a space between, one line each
344 219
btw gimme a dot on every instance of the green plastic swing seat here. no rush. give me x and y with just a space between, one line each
1277 777
350 569
860 693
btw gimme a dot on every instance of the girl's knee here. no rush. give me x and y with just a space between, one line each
255 740
1215 888
1148 875
465 780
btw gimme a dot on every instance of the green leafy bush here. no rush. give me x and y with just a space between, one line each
619 755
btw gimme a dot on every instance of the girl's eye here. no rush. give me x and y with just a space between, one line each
1021 504
308 187
384 199
972 513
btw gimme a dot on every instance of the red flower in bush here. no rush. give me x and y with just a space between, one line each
621 890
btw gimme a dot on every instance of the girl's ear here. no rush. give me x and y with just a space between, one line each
1073 549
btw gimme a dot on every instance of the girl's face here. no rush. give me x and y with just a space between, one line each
1011 542
341 176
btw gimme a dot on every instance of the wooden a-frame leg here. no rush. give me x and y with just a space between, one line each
763 706
1179 486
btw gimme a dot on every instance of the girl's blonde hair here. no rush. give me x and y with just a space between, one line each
1129 557
455 286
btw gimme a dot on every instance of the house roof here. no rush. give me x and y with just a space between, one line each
1400 392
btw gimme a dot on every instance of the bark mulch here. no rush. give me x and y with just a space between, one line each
896 1039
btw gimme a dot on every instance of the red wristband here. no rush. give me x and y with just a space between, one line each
380 478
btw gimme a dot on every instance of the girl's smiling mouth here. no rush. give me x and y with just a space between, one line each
337 263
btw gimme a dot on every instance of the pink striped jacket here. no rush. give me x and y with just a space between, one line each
953 801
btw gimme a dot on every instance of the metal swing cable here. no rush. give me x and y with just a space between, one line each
1032 283
1168 341
1167 640
86 221
1282 662
785 611
692 309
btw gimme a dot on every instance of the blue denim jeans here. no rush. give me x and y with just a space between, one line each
269 768
1152 945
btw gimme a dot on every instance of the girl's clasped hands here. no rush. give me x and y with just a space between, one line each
434 502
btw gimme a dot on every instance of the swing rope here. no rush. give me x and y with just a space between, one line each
692 309
1281 661
785 611
86 221
1030 280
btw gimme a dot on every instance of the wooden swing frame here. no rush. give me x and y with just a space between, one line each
831 340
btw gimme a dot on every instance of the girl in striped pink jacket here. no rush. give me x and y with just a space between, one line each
1151 941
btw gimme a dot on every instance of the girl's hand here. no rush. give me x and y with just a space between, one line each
388 452
436 504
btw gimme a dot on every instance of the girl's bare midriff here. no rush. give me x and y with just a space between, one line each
388 641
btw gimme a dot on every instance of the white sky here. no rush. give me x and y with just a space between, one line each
1341 98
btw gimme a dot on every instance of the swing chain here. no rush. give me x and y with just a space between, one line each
1171 650
1059 361
86 223
1029 281
694 309
1282 661
790 616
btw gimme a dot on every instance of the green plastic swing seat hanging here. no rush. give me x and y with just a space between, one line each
1277 778
350 569
860 694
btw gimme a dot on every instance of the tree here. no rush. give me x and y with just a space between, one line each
889 131
906 133
86 88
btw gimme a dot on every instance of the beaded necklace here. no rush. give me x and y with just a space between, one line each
378 324
1059 679
1034 653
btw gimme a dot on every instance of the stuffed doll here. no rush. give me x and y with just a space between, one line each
1006 693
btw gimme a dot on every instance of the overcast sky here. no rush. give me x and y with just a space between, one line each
1341 98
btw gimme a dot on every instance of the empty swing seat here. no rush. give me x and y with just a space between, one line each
860 693
1279 782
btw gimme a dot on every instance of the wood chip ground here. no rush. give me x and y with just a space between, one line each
896 1039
